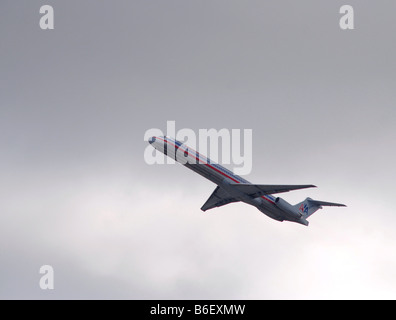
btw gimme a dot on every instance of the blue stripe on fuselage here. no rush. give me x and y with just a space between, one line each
214 166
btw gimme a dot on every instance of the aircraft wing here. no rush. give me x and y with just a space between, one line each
258 190
218 198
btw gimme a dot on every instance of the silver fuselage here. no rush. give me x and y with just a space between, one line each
223 177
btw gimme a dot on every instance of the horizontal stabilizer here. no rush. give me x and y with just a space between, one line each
309 206
218 198
258 190
324 203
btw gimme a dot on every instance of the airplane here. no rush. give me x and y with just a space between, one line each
232 188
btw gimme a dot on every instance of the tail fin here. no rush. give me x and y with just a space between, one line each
309 206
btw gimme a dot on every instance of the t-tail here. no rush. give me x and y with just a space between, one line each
309 206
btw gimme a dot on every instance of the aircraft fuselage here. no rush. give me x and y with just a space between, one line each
224 178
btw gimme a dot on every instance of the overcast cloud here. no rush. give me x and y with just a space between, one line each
76 193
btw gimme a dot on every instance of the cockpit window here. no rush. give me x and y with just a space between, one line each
151 140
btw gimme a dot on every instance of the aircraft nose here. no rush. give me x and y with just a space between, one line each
151 140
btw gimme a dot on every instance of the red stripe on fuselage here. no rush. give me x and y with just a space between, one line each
203 162
207 164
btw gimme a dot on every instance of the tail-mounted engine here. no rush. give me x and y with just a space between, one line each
287 207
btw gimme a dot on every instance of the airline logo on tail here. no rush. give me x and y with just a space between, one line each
303 208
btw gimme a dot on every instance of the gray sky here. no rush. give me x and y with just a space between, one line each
77 194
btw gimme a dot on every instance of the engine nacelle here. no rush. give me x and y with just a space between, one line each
287 207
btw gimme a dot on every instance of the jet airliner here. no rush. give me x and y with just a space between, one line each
232 188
